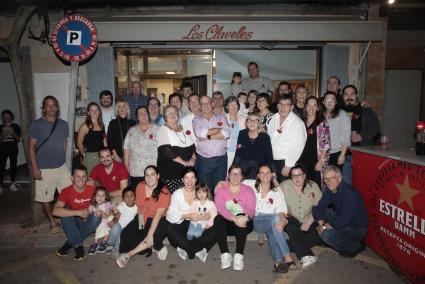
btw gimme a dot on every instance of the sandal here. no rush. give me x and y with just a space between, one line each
281 268
291 265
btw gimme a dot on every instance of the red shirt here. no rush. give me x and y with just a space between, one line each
112 180
147 206
75 200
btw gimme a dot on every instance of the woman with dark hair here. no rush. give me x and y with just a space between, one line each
140 146
299 100
263 103
235 204
176 150
301 195
315 154
149 228
252 101
180 215
237 123
91 136
155 116
270 218
339 128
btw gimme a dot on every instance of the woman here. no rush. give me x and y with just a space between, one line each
91 136
118 129
235 204
253 147
339 128
300 96
301 195
179 216
149 228
237 123
176 150
315 154
270 218
252 101
263 104
140 146
154 111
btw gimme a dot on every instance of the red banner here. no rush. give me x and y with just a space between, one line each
394 194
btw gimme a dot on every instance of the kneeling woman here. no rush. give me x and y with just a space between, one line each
180 215
149 227
236 207
270 218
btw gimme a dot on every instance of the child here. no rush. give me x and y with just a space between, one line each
123 214
235 85
100 207
202 205
243 103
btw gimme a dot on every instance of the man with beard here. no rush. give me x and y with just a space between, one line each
365 126
135 98
110 174
186 90
108 113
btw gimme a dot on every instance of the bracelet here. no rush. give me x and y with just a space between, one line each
342 154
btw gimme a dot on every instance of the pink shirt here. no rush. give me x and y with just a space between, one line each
229 206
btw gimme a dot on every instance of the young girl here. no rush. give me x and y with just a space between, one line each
100 207
243 104
235 85
202 205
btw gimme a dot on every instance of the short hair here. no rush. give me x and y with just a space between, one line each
9 112
242 94
332 168
142 107
106 93
79 168
187 170
265 96
136 82
193 95
229 100
204 187
173 95
253 63
186 85
104 149
127 189
286 97
234 166
218 93
167 108
334 77
126 105
350 86
281 83
154 99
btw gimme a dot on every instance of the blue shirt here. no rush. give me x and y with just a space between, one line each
134 103
348 205
234 133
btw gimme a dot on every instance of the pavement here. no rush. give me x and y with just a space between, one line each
27 256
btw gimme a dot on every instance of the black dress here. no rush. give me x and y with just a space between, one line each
309 155
117 131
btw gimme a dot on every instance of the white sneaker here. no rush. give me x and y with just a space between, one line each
13 187
226 260
122 260
182 253
308 260
202 255
238 261
162 253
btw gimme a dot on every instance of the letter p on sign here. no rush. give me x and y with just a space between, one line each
73 37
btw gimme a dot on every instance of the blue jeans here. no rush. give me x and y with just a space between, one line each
211 170
114 236
195 231
266 223
77 230
347 171
348 239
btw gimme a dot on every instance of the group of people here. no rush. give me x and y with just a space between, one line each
205 169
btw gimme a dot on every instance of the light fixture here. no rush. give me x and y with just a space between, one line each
170 72
391 2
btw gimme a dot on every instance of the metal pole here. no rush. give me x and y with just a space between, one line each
73 83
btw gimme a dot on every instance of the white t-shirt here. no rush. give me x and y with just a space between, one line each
187 125
107 116
127 214
272 203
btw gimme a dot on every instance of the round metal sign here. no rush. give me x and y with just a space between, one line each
74 38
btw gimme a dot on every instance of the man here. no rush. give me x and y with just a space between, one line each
186 90
47 142
344 227
288 135
72 207
175 99
136 98
334 85
108 112
284 88
187 120
110 174
212 131
256 82
218 102
365 126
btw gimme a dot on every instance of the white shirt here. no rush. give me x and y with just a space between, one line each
127 214
166 136
187 125
287 143
178 207
272 203
107 116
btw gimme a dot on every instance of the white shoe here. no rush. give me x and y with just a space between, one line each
202 255
162 253
238 261
308 260
226 260
182 253
122 260
13 187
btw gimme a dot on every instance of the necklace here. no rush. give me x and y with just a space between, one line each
183 141
121 134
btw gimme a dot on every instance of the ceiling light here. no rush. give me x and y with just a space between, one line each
391 2
170 72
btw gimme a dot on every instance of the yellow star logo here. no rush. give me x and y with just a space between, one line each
406 192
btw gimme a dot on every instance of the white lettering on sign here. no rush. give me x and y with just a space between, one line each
73 38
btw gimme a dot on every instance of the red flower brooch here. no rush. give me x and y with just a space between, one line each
355 116
188 132
150 136
219 123
310 131
235 201
271 200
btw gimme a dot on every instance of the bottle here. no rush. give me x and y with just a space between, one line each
420 138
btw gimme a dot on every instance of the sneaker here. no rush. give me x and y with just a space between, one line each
109 249
101 248
182 253
92 249
238 261
122 260
162 253
226 260
79 253
308 260
63 250
202 255
115 253
13 187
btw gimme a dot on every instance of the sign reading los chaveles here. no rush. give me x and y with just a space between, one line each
74 38
217 32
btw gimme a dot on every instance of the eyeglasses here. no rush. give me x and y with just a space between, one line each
330 178
297 176
249 120
236 174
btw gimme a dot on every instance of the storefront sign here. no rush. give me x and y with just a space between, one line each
394 193
74 38
217 32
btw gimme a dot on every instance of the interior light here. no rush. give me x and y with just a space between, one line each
391 2
170 72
